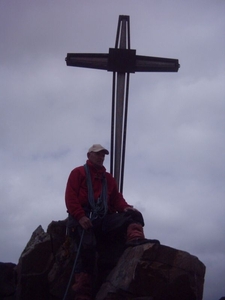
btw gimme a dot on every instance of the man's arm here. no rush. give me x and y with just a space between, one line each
73 203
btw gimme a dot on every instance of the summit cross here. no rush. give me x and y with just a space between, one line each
122 61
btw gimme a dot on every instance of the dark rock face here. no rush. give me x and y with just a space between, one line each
8 281
144 272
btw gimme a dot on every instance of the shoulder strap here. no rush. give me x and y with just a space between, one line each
99 207
91 199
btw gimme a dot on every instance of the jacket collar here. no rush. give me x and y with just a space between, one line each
94 169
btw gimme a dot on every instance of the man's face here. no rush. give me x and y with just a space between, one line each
97 158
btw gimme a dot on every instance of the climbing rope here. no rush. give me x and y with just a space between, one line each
74 265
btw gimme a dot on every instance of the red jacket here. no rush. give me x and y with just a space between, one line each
77 191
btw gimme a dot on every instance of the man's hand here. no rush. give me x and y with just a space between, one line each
130 208
85 222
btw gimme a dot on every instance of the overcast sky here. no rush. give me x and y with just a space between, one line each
50 114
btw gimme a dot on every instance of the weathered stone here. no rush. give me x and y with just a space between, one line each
156 271
37 260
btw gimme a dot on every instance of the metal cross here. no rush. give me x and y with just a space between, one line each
122 61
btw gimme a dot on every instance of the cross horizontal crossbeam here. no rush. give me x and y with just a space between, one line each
123 61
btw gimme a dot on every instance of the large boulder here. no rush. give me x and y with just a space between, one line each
153 271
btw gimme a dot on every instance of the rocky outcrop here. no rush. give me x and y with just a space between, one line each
148 271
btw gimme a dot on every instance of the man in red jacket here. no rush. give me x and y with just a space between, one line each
96 208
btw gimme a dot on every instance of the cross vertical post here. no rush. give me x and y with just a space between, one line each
120 106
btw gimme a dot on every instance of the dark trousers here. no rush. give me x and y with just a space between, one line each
105 240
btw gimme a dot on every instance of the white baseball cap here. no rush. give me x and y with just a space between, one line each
97 148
